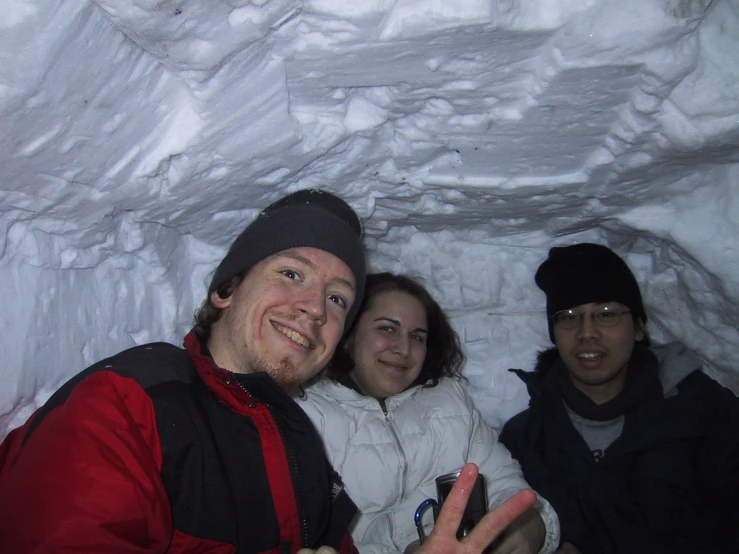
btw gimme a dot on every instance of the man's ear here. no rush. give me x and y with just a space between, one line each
219 302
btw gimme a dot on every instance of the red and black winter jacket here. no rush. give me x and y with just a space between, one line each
156 449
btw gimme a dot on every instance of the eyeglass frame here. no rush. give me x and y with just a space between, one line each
617 318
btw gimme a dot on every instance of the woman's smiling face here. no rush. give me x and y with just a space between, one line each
388 345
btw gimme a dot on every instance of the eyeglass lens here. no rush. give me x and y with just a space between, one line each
605 317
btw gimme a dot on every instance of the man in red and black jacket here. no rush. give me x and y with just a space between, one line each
160 449
202 450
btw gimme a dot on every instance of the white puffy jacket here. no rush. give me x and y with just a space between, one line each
389 454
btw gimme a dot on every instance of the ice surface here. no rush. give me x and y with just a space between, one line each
138 137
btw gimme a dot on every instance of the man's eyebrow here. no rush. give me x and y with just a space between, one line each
346 283
396 322
303 260
298 258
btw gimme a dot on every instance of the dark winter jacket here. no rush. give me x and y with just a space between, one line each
158 450
668 484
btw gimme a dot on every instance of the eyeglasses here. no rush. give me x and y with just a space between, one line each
602 317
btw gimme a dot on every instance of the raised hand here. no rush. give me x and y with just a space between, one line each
443 538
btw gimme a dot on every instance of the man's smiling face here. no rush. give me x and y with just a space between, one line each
597 357
286 317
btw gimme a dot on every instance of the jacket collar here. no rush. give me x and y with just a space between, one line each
344 392
238 391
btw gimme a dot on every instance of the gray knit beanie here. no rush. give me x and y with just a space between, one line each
307 218
584 273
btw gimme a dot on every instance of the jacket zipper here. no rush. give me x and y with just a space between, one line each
251 403
303 521
401 452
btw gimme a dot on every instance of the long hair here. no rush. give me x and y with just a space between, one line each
444 355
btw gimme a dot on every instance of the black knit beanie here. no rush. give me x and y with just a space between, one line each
307 218
584 273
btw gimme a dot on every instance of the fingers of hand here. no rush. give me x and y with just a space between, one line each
453 508
495 522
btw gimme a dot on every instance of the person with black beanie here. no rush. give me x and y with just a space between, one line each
635 447
160 449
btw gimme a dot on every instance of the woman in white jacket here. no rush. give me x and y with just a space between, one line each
394 415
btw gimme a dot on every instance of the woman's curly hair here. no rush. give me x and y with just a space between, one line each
444 355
